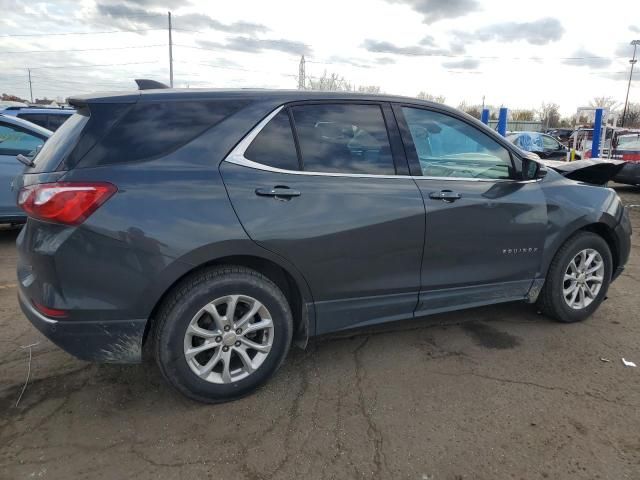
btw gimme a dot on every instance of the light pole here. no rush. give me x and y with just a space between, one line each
633 61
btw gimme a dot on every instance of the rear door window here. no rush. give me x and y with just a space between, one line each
550 143
343 138
274 146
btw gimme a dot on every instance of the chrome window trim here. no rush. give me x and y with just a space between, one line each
237 157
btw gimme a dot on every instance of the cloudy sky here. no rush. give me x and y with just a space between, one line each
517 54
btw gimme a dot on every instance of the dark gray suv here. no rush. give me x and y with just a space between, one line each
216 227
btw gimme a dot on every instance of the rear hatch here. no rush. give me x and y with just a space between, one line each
94 116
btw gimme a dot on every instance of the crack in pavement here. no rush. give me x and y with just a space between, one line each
374 433
536 385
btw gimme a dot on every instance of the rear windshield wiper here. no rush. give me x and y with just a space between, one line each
26 160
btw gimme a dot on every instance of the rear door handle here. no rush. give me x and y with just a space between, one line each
281 192
445 195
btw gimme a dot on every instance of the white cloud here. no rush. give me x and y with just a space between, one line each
462 49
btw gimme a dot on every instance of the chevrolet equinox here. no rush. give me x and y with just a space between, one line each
218 227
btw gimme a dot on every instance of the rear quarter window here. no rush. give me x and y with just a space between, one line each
274 146
151 129
56 121
61 143
37 118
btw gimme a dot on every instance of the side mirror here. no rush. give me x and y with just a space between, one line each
541 172
532 170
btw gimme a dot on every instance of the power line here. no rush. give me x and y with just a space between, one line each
224 47
82 49
94 65
236 68
80 33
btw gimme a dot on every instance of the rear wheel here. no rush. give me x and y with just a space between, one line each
222 333
578 278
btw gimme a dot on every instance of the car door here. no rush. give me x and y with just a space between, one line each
485 227
317 184
14 140
553 149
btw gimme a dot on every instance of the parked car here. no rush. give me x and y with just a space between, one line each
216 227
545 146
627 148
562 134
16 137
50 118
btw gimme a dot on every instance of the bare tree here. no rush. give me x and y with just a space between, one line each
549 114
333 82
473 110
523 115
632 118
368 89
12 98
605 102
430 97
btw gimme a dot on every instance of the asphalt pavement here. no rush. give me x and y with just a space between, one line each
489 393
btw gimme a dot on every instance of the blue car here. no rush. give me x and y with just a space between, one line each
47 117
17 136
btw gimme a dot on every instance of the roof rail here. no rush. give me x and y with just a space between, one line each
145 84
40 107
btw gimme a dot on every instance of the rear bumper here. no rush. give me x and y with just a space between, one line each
108 341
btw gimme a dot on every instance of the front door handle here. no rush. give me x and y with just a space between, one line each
445 195
279 192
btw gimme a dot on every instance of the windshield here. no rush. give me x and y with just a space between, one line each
629 142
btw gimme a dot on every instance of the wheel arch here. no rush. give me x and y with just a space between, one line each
600 228
607 233
290 282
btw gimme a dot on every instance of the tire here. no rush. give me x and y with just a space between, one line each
186 321
552 301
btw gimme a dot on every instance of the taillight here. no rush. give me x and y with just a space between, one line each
49 312
69 203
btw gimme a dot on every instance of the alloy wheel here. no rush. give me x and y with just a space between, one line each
583 279
228 339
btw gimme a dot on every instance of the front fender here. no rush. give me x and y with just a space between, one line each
572 206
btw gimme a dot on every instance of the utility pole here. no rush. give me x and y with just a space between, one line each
30 87
301 73
633 61
170 54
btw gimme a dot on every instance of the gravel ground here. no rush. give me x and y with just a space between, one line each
489 393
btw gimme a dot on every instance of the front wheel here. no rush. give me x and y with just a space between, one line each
222 333
578 278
